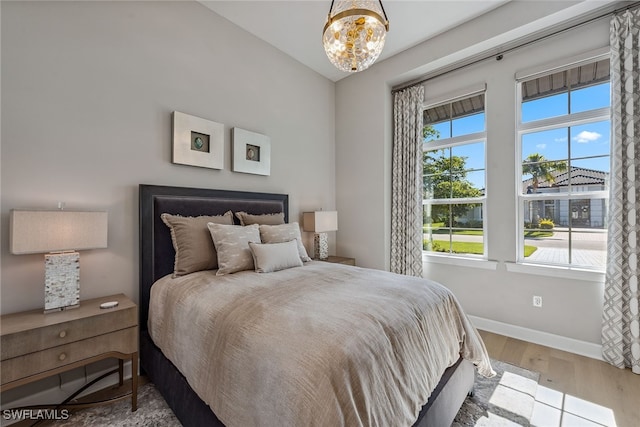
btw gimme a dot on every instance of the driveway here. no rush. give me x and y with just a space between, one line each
588 247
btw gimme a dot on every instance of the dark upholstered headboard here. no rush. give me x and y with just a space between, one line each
156 250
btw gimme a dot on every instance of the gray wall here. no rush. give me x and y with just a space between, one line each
572 308
87 94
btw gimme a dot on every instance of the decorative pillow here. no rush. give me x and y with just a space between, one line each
272 219
192 241
270 257
284 233
232 244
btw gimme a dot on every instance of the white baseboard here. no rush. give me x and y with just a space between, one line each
559 342
68 385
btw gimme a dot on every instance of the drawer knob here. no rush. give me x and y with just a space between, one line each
62 334
62 356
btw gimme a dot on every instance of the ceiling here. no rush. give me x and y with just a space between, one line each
295 27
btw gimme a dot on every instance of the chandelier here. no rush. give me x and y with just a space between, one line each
354 34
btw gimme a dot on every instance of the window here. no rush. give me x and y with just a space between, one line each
454 177
564 153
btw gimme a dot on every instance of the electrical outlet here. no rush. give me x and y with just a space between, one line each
537 301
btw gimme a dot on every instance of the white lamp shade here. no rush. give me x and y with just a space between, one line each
320 221
39 231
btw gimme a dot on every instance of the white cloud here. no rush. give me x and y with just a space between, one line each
563 139
585 137
541 146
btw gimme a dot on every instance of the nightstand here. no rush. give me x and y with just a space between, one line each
35 345
340 260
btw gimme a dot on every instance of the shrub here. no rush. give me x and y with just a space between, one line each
474 223
546 224
432 246
437 247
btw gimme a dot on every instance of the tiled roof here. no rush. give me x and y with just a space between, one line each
577 176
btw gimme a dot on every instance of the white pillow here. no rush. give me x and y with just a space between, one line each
270 257
232 245
284 233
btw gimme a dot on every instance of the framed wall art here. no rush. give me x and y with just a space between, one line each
251 152
197 142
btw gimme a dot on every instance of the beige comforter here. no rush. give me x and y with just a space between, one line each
319 345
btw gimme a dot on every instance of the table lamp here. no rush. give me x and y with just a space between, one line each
320 222
59 234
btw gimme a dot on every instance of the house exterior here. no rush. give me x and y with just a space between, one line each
578 213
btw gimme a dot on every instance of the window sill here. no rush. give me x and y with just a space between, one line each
556 271
460 261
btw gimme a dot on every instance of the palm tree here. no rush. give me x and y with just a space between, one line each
540 168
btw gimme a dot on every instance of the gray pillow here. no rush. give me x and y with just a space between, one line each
248 219
192 241
284 233
232 245
270 257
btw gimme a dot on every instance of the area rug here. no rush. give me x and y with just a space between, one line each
152 411
504 400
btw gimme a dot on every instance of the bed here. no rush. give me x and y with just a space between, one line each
251 405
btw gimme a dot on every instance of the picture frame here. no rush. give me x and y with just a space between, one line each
197 141
251 152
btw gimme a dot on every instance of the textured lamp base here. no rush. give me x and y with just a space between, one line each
321 245
61 281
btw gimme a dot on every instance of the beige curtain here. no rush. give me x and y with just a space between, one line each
406 204
621 318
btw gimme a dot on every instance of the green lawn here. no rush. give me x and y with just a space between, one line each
475 248
468 232
530 234
458 232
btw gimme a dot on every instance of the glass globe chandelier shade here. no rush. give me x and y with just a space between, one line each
354 34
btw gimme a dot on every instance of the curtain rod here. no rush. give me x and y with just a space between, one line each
498 55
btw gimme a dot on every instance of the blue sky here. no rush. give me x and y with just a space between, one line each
589 144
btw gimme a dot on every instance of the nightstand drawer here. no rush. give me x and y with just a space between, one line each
55 329
124 341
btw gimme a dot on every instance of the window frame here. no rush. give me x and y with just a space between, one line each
559 122
458 141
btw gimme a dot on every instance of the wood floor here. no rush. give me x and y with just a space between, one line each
591 388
